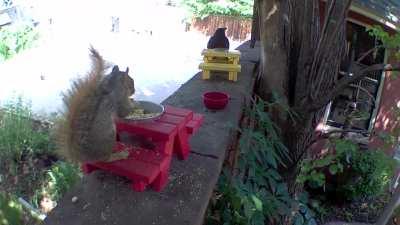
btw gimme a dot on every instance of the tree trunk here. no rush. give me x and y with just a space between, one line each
273 51
255 24
299 64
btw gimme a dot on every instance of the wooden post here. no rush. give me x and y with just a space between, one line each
255 25
206 74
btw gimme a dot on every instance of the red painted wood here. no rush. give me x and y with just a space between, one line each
181 146
153 129
190 127
180 118
131 168
86 168
193 125
173 119
161 161
139 186
188 114
154 157
143 167
198 117
161 180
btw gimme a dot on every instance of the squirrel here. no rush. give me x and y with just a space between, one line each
218 40
86 132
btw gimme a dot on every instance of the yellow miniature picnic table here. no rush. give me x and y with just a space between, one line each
220 60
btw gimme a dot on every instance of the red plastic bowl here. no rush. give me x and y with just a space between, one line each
215 100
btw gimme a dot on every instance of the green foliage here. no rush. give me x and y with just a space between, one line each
25 152
362 173
314 170
204 8
10 211
388 41
60 178
16 38
17 134
373 170
257 194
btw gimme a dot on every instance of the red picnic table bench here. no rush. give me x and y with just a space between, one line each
169 134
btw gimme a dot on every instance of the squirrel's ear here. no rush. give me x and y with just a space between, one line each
115 69
127 70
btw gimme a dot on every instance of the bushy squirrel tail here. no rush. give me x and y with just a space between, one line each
77 105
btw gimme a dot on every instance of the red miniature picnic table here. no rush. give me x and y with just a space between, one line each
169 134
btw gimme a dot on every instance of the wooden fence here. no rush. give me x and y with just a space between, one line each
238 28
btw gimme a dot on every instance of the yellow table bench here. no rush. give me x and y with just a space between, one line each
220 60
231 68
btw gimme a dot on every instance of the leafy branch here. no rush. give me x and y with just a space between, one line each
204 8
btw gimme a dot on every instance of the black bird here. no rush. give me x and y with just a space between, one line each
218 40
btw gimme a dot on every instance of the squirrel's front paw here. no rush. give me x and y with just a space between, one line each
118 156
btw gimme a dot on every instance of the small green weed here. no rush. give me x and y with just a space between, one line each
59 179
17 135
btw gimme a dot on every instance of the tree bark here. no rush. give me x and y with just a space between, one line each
299 63
255 24
273 50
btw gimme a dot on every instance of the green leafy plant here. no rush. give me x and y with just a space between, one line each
390 41
257 194
16 38
60 178
10 211
386 41
204 8
355 173
26 152
320 209
17 135
314 171
372 171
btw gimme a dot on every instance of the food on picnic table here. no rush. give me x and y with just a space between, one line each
140 114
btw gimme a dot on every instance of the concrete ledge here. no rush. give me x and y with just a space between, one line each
106 199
